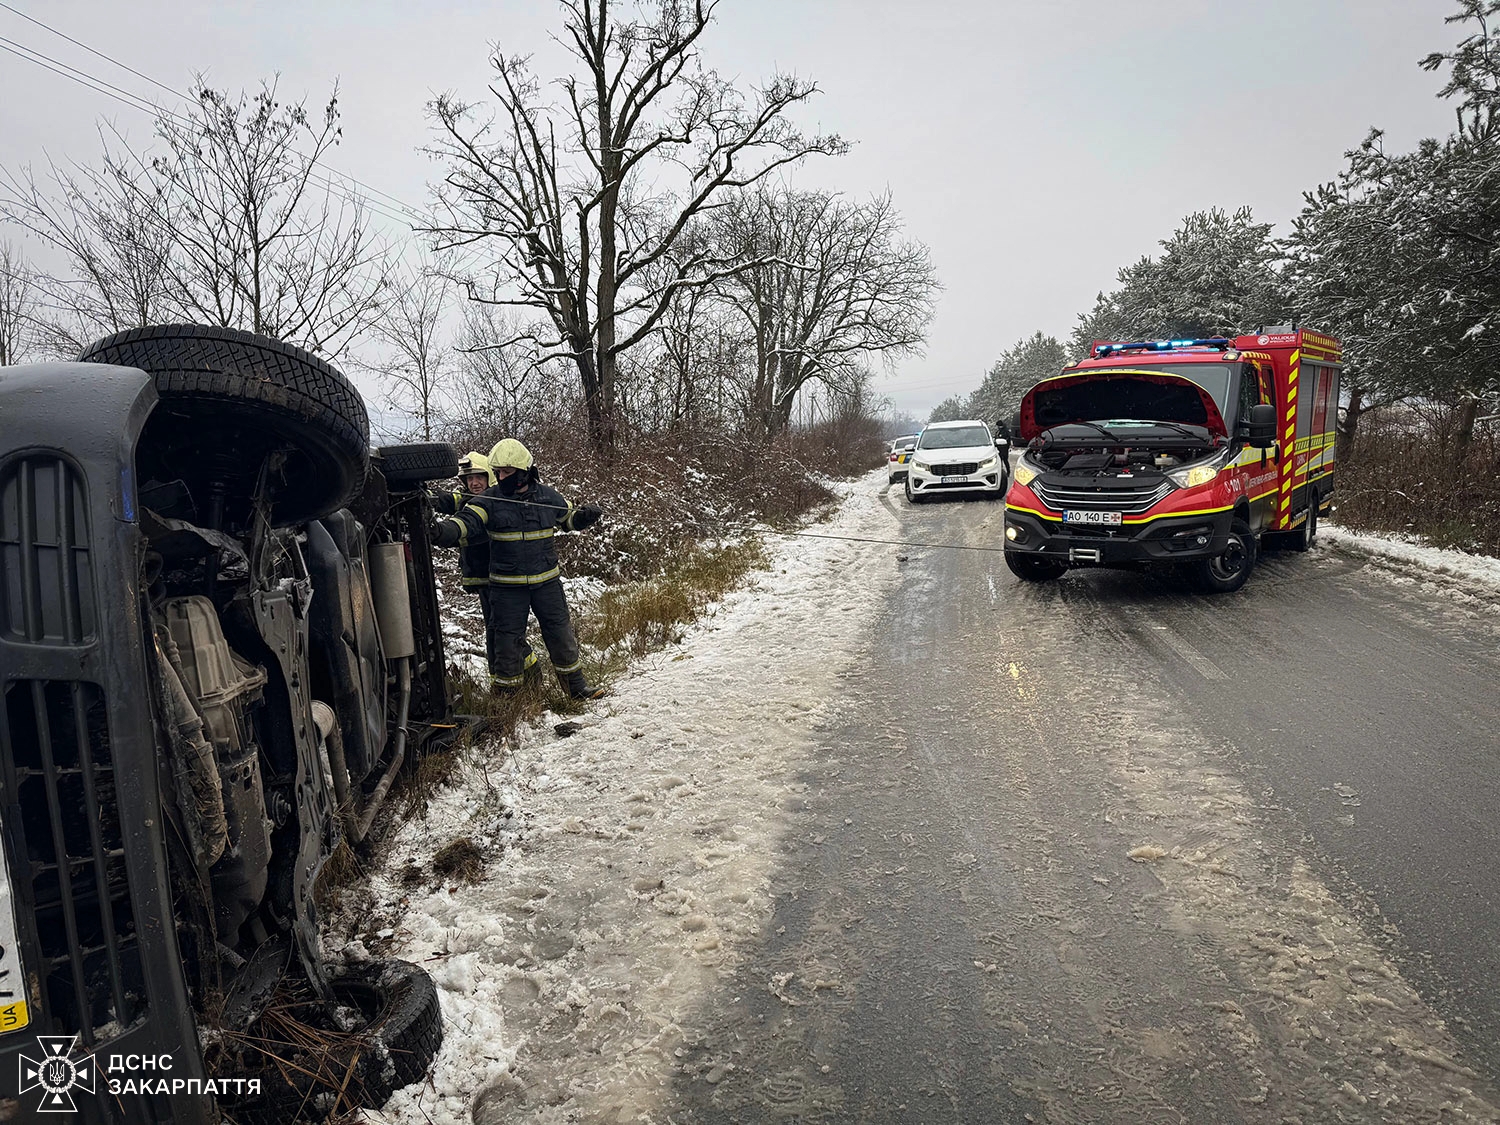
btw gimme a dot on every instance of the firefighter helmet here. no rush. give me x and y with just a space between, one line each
509 454
472 463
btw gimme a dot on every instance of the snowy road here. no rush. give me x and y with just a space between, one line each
903 841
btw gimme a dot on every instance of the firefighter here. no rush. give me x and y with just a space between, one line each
520 515
475 475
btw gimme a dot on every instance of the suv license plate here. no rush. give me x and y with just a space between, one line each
13 1015
955 480
1107 519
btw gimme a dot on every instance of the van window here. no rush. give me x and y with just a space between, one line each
1249 392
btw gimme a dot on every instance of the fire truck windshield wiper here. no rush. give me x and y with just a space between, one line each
1186 431
1108 433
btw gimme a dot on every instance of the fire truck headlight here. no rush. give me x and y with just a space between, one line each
1024 473
1191 476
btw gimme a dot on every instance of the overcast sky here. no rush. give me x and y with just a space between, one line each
1035 146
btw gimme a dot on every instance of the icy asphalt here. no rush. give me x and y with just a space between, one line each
896 839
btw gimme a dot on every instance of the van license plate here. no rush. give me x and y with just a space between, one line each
955 480
1103 519
13 1015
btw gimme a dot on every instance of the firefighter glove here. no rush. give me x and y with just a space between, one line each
443 533
586 517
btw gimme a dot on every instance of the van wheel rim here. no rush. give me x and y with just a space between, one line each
1231 562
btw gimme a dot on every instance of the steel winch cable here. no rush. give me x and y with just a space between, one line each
762 530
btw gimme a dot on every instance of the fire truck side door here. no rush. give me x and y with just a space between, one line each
1257 386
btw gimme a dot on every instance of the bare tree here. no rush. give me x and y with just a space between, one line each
18 307
263 241
500 385
827 282
416 365
227 221
555 206
114 240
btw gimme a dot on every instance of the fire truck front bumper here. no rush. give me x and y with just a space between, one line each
1164 539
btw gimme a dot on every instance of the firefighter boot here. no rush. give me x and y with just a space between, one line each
579 688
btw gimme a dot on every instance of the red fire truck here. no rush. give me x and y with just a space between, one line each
1191 452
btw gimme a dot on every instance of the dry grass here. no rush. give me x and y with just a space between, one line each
298 1058
340 871
651 614
460 859
1400 478
417 783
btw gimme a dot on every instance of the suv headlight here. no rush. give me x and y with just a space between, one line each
1200 472
1023 473
923 465
990 464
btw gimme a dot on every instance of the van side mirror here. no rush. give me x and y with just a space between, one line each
1001 443
1262 426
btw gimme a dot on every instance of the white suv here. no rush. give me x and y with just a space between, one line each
956 457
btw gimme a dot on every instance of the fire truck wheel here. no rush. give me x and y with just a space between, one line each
1305 536
1029 568
1226 573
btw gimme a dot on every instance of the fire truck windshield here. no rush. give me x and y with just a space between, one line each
1212 377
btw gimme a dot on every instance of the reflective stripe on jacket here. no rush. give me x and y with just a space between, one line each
473 550
519 530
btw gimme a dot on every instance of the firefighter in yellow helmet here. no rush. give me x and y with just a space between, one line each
475 477
520 515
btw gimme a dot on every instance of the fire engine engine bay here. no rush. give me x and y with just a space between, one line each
1121 447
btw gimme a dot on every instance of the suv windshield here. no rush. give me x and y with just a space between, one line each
955 438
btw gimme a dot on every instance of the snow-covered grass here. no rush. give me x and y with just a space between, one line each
1408 550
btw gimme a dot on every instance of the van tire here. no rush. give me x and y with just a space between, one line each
1306 536
1228 571
233 403
417 463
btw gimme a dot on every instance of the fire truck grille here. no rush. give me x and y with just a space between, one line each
1128 501
55 740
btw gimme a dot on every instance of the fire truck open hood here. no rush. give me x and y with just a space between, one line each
1117 393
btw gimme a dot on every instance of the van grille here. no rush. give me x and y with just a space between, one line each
960 469
1129 501
70 847
46 581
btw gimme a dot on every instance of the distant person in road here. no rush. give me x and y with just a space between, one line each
520 515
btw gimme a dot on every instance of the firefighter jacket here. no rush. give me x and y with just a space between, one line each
473 552
520 530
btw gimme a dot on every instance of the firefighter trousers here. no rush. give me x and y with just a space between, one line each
492 640
508 609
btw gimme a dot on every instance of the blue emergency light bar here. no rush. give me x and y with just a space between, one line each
1220 342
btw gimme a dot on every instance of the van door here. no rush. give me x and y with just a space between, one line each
1257 467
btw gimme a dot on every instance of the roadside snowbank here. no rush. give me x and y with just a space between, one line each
1478 569
630 859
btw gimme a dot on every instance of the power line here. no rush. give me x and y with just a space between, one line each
408 216
133 101
178 93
